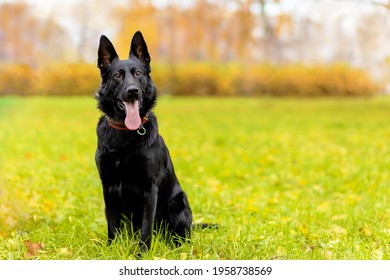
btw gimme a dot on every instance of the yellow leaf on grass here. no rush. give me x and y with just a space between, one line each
353 199
324 206
337 230
281 251
303 229
328 255
251 205
33 248
273 200
214 184
339 217
365 230
386 231
377 254
252 209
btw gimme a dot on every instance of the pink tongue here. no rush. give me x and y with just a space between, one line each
133 120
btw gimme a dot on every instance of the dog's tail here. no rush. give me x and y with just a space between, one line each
204 226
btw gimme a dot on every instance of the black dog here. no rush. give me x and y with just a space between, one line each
134 164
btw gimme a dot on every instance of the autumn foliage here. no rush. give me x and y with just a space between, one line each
202 79
193 53
197 79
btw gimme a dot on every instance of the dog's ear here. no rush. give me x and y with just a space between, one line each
139 48
106 53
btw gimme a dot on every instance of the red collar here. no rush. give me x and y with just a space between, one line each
121 125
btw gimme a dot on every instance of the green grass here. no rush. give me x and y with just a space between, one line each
284 179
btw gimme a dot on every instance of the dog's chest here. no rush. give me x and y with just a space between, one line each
130 172
125 163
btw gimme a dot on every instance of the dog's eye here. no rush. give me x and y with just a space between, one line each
137 74
118 75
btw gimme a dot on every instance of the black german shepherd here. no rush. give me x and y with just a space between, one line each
139 182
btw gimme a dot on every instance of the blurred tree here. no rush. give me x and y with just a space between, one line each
200 27
26 39
138 15
386 5
16 32
387 59
92 19
268 34
240 32
204 30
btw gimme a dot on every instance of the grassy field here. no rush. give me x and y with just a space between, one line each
284 179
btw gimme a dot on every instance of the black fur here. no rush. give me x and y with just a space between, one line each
136 170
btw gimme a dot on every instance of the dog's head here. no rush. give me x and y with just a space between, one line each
127 92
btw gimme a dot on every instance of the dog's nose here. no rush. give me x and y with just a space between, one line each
132 92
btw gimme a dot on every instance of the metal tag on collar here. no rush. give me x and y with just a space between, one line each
141 130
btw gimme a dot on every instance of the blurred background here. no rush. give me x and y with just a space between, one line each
201 47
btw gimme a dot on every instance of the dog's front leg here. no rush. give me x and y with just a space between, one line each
110 182
150 204
113 213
